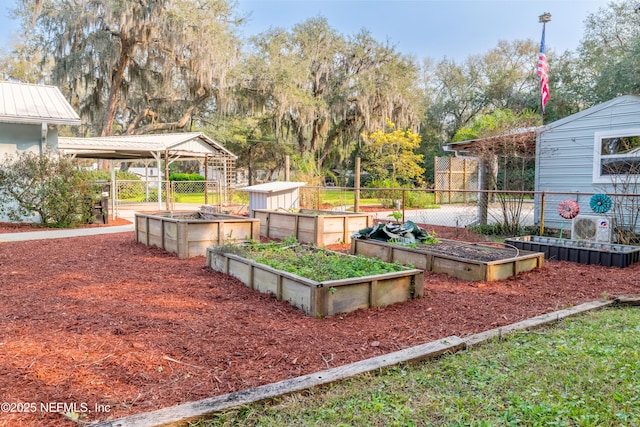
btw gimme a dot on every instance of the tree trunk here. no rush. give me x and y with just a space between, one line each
116 82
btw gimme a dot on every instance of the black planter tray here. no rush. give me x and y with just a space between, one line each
580 251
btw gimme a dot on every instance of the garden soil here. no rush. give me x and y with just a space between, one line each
104 327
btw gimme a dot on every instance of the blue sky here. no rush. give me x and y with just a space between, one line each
433 28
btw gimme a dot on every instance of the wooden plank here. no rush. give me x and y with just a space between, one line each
266 282
344 299
240 270
345 230
182 240
319 232
191 411
467 271
536 322
407 272
373 294
297 294
631 301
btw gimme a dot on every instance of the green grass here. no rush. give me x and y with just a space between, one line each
339 197
198 198
583 372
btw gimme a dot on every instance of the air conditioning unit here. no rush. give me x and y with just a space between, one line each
596 228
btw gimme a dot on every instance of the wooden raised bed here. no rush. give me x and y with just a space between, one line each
315 227
188 234
580 251
324 298
428 258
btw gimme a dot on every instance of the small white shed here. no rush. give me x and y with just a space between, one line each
274 195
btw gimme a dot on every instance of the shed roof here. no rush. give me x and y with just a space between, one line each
188 145
273 187
35 104
591 110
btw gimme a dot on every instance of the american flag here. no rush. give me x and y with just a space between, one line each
543 72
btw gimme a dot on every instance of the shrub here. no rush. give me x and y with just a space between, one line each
389 191
47 185
185 177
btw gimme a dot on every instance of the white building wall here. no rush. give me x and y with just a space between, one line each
565 153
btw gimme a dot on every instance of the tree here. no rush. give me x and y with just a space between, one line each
137 66
391 154
608 53
22 65
250 139
322 90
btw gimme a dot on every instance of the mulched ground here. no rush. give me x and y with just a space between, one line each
103 320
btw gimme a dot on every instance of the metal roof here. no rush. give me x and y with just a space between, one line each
188 145
35 104
273 187
525 138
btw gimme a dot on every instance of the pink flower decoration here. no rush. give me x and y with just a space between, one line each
568 209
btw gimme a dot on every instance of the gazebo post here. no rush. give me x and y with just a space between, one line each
114 191
206 179
166 174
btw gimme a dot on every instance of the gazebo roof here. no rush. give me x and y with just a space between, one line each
129 147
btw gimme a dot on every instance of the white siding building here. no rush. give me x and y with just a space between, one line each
30 115
588 152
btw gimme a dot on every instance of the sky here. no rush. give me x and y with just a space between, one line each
454 29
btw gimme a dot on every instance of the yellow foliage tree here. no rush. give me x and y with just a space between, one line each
390 154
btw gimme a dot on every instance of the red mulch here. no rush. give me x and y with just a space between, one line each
103 320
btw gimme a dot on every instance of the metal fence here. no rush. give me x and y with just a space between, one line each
167 195
502 212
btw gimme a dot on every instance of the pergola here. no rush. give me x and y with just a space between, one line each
164 149
517 143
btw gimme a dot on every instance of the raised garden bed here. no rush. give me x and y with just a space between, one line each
326 297
315 227
469 261
189 234
580 251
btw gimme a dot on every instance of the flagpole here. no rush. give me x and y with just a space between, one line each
543 70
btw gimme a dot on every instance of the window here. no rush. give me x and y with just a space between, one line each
616 153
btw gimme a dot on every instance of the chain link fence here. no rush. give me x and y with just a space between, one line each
169 195
498 212
493 212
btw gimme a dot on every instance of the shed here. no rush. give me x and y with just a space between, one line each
30 115
594 151
274 195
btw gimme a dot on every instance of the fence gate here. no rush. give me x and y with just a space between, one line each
455 180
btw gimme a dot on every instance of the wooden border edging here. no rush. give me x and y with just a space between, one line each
191 411
536 322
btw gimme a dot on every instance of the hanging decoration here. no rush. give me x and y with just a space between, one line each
568 209
600 203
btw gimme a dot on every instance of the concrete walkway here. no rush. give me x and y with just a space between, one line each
73 232
58 234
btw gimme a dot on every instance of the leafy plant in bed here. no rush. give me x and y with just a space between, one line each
314 263
318 281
